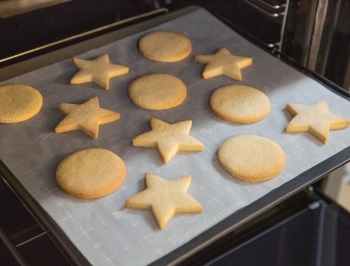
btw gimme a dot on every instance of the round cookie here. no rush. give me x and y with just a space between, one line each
18 103
90 173
251 158
157 91
165 46
240 104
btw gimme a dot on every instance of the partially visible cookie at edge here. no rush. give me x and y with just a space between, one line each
18 103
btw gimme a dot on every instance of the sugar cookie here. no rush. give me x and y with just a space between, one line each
241 104
165 46
168 139
90 173
251 158
157 91
165 198
223 63
85 117
98 71
315 119
18 103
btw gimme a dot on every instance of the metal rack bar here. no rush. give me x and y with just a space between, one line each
271 5
154 12
11 248
283 26
275 15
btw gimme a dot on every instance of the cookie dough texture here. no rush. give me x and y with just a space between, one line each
165 46
251 158
157 91
240 104
165 198
18 103
90 173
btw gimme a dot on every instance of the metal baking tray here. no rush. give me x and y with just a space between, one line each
51 73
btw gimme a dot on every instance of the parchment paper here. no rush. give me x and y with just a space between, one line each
104 230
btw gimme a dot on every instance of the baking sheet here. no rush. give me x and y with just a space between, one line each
104 230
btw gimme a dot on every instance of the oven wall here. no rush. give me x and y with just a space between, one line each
317 36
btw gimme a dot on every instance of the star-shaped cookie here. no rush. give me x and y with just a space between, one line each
168 139
223 63
85 117
165 198
315 119
99 71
